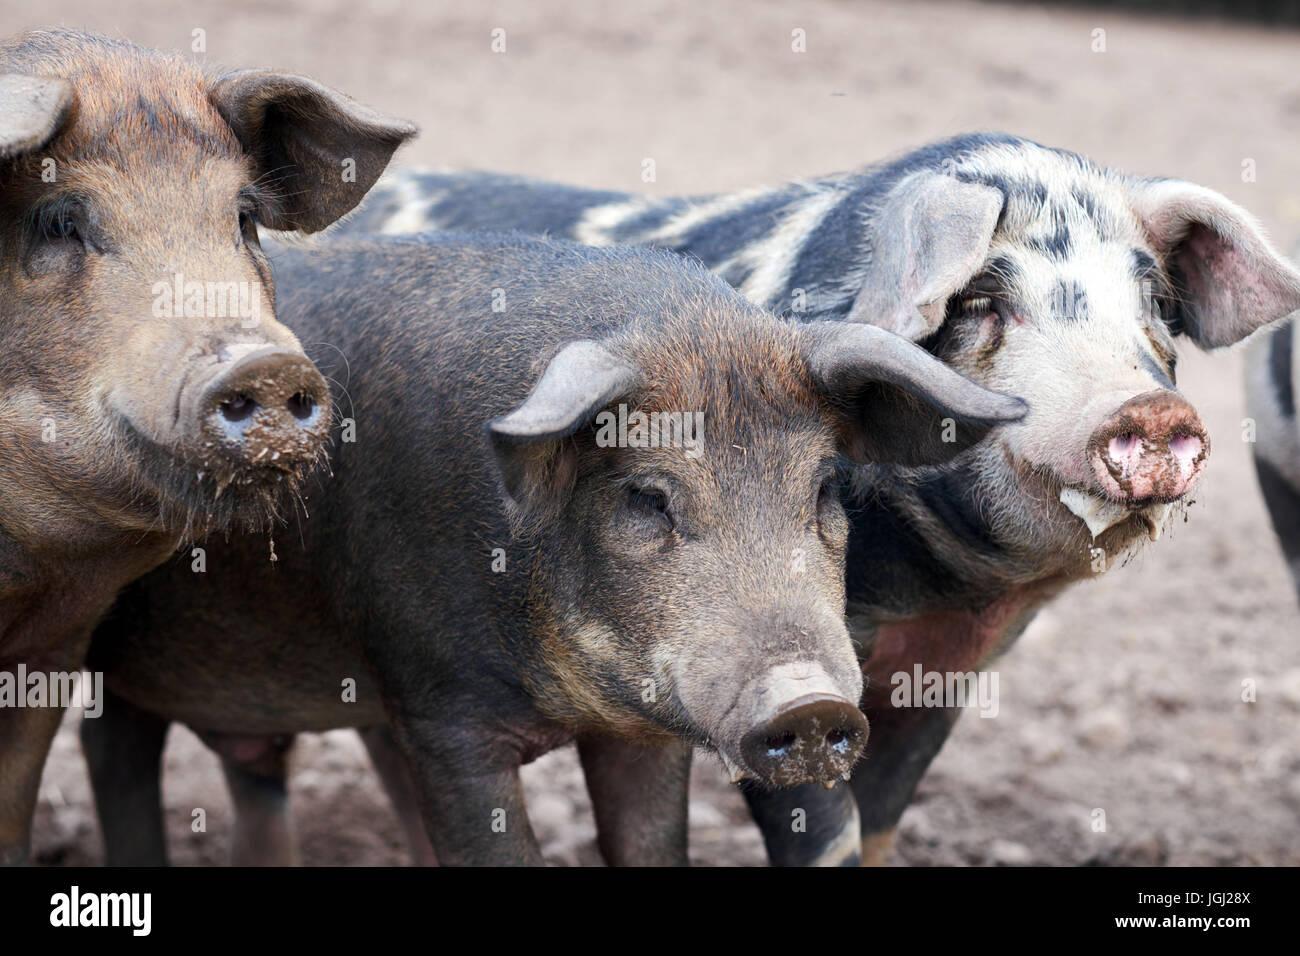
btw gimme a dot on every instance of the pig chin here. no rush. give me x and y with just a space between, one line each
1121 523
198 489
1076 508
230 438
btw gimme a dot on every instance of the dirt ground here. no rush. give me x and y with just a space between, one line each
1125 694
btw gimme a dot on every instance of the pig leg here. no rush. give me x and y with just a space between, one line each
639 795
257 770
900 753
124 748
25 737
391 767
27 732
904 740
470 793
807 825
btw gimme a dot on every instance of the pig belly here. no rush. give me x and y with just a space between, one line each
250 686
251 706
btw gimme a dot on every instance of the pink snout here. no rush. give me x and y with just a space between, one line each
1153 448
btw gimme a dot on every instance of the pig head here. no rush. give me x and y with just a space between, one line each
145 378
698 587
1033 270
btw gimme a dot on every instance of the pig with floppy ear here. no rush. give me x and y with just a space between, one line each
321 150
1229 279
1069 287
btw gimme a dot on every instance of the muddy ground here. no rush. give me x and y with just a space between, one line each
1125 694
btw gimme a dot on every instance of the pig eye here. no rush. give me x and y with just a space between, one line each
828 493
650 502
976 305
59 225
60 229
248 230
828 499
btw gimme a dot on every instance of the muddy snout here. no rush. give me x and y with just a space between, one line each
268 408
803 727
814 738
1152 449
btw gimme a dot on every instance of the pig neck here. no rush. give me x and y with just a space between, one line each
49 600
65 551
922 545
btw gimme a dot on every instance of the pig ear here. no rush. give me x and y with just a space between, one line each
1229 279
908 407
32 109
536 466
321 150
928 240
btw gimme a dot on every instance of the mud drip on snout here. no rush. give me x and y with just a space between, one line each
841 771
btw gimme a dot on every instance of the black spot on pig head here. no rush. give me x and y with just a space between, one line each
1035 272
698 588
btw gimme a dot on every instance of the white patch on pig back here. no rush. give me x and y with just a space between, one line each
599 221
597 224
414 206
773 258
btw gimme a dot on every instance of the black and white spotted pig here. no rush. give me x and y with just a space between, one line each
1032 270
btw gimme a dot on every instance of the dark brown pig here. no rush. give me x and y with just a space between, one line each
503 562
147 391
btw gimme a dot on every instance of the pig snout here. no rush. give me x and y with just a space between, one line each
267 408
816 737
803 726
1152 448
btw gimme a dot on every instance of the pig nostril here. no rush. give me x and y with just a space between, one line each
839 740
300 406
1122 445
1185 445
778 744
238 409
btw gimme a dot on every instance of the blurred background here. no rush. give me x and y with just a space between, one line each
1124 694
